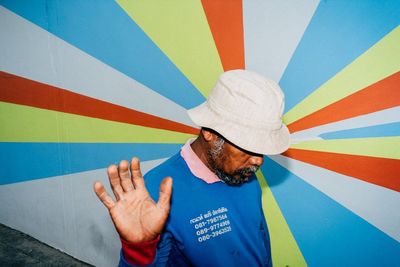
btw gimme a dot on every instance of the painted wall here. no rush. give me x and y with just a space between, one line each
87 83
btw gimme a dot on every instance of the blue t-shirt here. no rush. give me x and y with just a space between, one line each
209 224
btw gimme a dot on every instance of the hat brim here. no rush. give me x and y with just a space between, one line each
260 140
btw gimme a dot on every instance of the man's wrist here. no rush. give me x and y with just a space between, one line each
139 253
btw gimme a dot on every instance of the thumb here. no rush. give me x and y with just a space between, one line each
164 197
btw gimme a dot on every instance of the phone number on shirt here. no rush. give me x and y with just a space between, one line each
211 221
213 234
213 227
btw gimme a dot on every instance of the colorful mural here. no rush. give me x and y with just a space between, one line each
87 83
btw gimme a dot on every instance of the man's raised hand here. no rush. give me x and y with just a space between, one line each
136 216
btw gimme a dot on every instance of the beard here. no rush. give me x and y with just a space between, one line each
238 177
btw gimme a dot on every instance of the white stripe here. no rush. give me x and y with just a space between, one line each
31 52
65 213
377 205
377 118
272 31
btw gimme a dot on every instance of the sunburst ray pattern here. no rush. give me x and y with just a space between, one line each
85 84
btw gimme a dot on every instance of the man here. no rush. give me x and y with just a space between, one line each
214 216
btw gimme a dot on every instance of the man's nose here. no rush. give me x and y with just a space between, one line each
257 160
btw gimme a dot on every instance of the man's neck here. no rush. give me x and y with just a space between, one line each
199 148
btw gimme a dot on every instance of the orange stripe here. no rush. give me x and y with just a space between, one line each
378 96
226 22
380 171
18 90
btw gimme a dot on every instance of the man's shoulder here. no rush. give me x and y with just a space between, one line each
171 167
165 167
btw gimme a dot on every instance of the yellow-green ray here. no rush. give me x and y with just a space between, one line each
378 62
28 124
285 251
381 147
182 32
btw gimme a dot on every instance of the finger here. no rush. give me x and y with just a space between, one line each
164 197
123 170
115 181
102 195
137 176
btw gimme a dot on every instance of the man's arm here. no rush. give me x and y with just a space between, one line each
136 217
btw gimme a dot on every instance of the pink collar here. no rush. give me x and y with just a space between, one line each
196 166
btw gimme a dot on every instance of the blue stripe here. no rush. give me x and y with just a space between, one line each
103 30
339 32
327 233
30 161
384 130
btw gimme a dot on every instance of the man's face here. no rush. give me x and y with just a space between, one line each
231 164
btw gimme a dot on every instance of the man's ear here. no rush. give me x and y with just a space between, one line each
208 135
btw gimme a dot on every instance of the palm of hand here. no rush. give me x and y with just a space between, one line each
137 218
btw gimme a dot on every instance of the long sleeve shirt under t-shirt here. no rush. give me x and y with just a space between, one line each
210 223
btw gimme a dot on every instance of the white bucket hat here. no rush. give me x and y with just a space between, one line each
246 109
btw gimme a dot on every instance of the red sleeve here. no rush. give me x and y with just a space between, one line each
139 253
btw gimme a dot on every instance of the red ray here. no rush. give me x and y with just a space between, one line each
378 96
18 90
226 23
380 171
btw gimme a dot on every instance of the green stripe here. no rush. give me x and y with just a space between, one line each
192 51
381 147
378 62
285 251
27 124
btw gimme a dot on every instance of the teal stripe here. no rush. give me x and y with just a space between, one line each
384 130
29 161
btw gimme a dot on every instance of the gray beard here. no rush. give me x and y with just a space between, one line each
239 177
